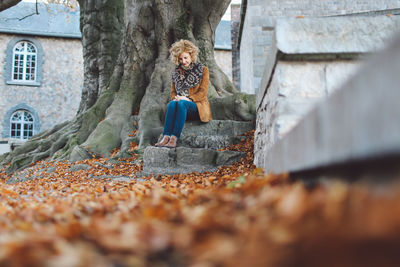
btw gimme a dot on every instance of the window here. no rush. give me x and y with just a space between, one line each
21 125
20 121
24 62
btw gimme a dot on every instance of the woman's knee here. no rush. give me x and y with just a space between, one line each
172 104
181 104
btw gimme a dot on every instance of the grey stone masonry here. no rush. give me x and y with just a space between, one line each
235 25
310 59
214 134
56 98
335 35
333 38
185 160
197 149
279 8
359 121
257 27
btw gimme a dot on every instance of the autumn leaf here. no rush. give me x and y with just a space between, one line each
235 216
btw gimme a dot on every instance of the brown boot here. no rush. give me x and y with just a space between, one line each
163 141
173 141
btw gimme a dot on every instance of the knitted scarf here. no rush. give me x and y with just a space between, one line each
187 78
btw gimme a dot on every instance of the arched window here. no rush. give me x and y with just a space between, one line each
24 62
21 125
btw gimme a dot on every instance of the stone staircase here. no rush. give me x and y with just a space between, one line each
197 149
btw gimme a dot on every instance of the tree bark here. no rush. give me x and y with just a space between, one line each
4 4
102 25
128 75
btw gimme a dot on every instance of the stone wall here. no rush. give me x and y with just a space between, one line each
259 22
235 26
289 8
4 147
247 78
309 64
295 88
224 61
358 125
57 98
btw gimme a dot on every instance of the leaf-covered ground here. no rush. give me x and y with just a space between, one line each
237 216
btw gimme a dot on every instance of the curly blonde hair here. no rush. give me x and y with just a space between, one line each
181 46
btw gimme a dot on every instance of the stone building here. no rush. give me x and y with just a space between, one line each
42 72
235 26
258 19
223 47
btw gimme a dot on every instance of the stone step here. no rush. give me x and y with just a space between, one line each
217 128
185 160
215 134
212 142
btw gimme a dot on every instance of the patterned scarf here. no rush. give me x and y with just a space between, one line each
187 78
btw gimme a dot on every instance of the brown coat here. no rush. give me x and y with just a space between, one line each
198 94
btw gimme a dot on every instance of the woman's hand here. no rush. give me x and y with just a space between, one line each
178 97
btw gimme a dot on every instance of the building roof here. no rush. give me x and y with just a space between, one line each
57 20
53 20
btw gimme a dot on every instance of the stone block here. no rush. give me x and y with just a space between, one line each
270 61
185 160
258 71
263 39
259 60
194 157
214 142
4 148
335 35
254 10
294 108
162 157
300 79
337 73
216 128
246 59
258 51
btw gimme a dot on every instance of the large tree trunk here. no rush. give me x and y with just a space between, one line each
128 72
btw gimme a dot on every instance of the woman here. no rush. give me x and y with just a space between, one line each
189 89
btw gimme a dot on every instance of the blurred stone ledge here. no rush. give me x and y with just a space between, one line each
320 102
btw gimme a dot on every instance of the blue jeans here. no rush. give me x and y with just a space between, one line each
177 112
